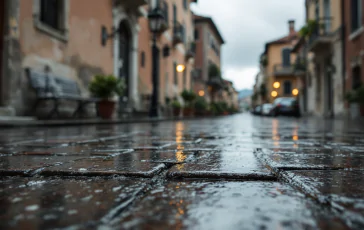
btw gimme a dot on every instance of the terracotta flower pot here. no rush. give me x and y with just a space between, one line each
106 109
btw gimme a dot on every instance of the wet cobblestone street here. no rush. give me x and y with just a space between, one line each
234 172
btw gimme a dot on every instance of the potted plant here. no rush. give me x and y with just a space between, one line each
201 106
176 106
188 98
106 87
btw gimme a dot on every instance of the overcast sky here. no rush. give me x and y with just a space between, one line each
246 25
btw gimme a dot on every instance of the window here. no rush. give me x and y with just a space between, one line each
174 13
142 58
185 4
197 35
287 87
184 33
165 12
286 57
356 82
51 13
317 10
356 14
327 15
50 16
175 77
184 79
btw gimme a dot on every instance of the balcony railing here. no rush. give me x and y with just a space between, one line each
321 36
165 24
283 70
130 3
190 50
300 65
178 33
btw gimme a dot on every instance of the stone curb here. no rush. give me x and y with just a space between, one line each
57 123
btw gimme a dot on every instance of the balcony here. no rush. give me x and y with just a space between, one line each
300 66
130 4
321 37
216 83
178 33
281 70
165 24
190 50
133 6
196 74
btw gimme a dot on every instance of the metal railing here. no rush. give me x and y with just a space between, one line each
323 28
280 69
178 32
300 64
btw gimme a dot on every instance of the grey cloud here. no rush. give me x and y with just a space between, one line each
247 25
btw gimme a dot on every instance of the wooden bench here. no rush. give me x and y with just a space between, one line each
49 87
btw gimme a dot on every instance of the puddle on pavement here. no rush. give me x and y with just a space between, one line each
227 205
49 203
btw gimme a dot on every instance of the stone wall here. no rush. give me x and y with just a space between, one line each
76 53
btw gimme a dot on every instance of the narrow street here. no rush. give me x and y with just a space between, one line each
234 172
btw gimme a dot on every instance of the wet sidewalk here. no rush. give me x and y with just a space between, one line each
236 172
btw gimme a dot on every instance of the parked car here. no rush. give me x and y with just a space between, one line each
267 109
257 110
286 106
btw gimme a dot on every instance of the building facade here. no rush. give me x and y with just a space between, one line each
176 47
209 43
281 78
324 52
354 43
65 37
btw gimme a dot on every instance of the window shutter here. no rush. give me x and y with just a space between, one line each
166 13
354 15
286 57
174 13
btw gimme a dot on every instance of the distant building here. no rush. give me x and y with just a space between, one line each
353 76
208 42
281 78
324 79
177 47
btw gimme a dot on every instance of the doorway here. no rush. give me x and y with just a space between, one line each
329 89
2 22
124 61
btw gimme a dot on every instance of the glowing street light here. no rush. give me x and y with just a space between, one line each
201 93
274 94
276 85
295 92
180 68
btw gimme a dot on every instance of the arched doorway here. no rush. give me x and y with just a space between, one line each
124 61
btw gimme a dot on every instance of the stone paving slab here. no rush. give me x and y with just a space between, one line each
123 165
50 203
342 189
237 165
290 160
24 165
226 205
